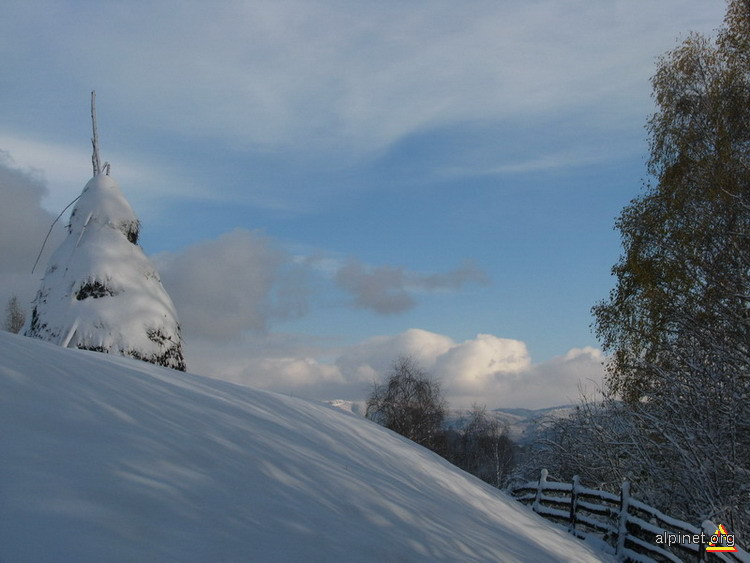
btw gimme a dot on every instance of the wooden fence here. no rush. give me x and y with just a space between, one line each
621 525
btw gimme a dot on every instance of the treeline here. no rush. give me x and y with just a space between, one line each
675 417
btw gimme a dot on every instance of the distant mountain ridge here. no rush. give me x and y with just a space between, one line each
523 424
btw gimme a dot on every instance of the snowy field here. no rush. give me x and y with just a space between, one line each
104 458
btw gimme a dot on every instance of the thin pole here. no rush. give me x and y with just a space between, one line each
95 139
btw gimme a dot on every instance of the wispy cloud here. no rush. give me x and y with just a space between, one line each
389 289
65 169
361 75
314 94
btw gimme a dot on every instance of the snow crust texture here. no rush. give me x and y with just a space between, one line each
109 459
100 292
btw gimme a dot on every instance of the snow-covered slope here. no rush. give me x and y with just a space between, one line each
104 458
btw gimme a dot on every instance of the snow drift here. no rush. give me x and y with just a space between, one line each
109 459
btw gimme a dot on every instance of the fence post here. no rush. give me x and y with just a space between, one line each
539 489
708 528
622 519
573 504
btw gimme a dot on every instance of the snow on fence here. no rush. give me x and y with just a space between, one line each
623 526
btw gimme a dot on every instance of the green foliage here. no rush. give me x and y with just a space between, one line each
677 324
685 239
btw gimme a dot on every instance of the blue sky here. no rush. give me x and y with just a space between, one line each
324 184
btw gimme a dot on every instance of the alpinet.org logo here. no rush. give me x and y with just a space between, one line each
721 541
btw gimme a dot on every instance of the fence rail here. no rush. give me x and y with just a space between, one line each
627 527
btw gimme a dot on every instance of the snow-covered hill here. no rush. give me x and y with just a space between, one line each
524 424
105 458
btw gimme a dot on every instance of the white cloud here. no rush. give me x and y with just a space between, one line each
370 359
68 168
557 381
283 363
473 366
243 280
320 88
486 369
229 291
23 222
489 370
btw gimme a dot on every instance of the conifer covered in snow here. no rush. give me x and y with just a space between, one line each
100 292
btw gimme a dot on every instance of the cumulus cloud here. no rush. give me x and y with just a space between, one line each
23 225
555 382
228 291
488 370
232 284
370 359
471 367
284 363
68 168
22 218
388 289
245 281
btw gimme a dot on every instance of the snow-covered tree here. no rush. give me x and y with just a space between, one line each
100 292
677 324
685 262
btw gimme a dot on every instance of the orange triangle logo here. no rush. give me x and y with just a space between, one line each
721 541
